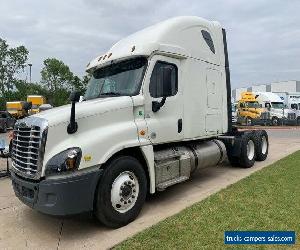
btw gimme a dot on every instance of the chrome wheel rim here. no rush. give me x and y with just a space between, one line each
264 145
124 191
250 150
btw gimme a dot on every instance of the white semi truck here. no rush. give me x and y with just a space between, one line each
291 101
277 110
157 109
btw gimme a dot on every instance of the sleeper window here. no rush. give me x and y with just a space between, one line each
208 40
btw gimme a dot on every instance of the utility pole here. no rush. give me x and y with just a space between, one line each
30 65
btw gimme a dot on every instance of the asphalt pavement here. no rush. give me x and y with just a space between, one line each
22 227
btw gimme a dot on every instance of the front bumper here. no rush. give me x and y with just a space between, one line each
66 195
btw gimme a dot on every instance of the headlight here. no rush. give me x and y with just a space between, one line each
65 161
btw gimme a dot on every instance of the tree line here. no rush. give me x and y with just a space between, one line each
57 80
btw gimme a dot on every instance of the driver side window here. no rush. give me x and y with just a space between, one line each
157 87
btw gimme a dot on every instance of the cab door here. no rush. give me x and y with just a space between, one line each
163 100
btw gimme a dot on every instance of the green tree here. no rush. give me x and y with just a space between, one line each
56 75
58 79
79 85
12 61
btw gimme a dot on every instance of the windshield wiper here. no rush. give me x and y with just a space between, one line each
110 93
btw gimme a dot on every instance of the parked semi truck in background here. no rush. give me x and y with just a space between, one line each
36 101
18 109
156 110
292 102
278 113
249 110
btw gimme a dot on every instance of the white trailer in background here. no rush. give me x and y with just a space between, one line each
275 106
291 101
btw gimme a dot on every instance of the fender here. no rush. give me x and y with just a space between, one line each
148 154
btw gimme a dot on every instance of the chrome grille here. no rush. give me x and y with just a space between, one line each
29 138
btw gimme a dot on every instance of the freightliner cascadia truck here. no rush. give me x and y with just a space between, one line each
157 109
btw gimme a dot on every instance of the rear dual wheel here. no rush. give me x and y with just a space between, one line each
261 145
248 154
254 146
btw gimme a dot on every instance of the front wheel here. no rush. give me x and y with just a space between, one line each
298 121
121 192
275 121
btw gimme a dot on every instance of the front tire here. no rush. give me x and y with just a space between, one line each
121 192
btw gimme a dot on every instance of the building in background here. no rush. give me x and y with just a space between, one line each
290 86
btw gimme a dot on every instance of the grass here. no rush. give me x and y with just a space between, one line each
266 200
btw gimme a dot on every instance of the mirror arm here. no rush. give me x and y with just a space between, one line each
73 126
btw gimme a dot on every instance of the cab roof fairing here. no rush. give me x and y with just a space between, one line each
179 37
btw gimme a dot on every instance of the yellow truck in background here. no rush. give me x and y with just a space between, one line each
17 109
37 101
248 109
21 109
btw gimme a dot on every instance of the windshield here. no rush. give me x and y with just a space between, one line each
252 105
123 78
277 105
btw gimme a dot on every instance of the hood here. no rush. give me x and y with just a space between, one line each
84 109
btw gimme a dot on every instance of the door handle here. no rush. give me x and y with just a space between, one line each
179 125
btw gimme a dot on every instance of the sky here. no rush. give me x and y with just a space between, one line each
263 36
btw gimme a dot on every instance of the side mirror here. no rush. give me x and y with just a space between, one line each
75 96
72 127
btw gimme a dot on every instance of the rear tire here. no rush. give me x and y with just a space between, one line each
261 145
121 192
298 121
247 156
234 161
